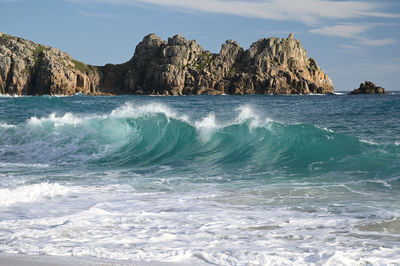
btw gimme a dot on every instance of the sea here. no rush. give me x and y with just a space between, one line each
206 180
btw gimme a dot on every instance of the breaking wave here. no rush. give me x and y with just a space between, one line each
154 134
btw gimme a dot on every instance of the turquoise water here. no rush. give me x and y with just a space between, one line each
226 180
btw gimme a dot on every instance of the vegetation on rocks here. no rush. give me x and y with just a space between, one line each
173 67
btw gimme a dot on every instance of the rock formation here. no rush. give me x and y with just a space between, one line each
30 68
368 88
173 67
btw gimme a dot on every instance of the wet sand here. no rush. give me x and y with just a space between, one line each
24 260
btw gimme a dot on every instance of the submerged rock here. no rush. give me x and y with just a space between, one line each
369 88
174 67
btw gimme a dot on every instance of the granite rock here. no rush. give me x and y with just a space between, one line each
368 88
173 67
30 68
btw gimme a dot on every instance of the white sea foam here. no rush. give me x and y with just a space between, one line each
207 123
128 110
31 193
246 113
66 119
207 126
5 125
326 129
203 226
13 96
166 217
368 141
382 182
25 165
59 95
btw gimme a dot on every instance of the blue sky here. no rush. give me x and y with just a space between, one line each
352 41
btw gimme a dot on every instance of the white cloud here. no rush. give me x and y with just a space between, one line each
341 30
310 12
350 47
381 42
306 11
362 44
352 31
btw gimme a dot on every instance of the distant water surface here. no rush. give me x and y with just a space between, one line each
226 180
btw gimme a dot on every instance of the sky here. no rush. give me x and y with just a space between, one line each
352 41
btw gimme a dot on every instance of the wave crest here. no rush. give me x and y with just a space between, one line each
154 134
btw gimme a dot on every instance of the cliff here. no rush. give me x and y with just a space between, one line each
173 67
28 68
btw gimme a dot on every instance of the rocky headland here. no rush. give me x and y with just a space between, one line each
173 67
368 88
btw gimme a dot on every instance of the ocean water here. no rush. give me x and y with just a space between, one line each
225 180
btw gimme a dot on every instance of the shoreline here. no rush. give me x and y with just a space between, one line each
46 260
335 93
338 93
11 259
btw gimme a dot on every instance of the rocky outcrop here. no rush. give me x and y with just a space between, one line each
173 67
368 88
30 68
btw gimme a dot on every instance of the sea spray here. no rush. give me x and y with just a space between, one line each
220 180
153 134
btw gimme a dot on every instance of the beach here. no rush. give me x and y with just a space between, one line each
225 180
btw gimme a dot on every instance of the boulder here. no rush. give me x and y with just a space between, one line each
368 88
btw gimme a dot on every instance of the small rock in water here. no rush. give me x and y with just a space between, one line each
369 88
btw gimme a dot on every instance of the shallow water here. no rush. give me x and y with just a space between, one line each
227 180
